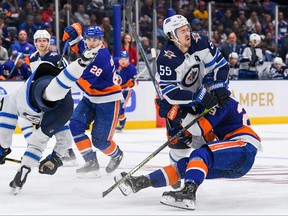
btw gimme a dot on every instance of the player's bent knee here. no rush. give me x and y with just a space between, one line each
100 143
76 127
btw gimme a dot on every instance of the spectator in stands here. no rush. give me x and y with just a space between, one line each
146 26
217 14
16 68
282 28
252 21
147 9
48 13
29 27
284 48
3 52
96 7
227 20
266 19
269 7
38 20
196 25
82 17
63 17
53 45
160 33
107 28
234 66
216 40
27 10
277 70
22 45
268 47
48 26
250 58
188 14
146 46
93 20
221 32
230 46
201 13
128 46
242 18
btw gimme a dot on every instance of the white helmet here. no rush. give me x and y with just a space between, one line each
233 55
255 39
42 34
172 23
278 60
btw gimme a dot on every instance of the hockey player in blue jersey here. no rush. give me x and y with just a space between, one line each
45 100
16 68
184 65
231 156
125 77
100 103
44 55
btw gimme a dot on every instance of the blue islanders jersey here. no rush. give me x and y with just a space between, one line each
97 80
228 123
50 57
11 72
179 73
125 75
25 48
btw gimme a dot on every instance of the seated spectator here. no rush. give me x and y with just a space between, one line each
81 17
252 21
128 46
22 46
201 13
3 52
16 68
268 47
234 66
53 45
230 45
29 27
251 56
48 13
277 70
49 28
196 26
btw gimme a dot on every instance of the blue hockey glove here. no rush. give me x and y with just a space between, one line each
203 97
73 33
3 154
219 89
166 110
50 164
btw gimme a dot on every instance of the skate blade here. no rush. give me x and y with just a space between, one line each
125 189
183 204
15 190
119 131
93 174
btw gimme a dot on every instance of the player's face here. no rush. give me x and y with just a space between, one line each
123 61
184 37
53 48
92 42
42 44
278 66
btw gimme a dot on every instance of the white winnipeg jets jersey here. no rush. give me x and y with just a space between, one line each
179 73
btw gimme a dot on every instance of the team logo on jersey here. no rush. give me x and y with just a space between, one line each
117 79
169 54
191 76
34 119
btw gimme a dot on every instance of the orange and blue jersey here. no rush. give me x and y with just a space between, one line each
97 80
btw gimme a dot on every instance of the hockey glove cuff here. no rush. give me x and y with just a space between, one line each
166 110
203 97
219 90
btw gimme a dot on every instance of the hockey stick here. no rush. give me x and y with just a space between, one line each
64 50
12 160
99 195
142 51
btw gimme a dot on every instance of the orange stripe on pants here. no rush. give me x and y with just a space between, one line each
83 145
112 147
199 165
224 145
172 174
115 120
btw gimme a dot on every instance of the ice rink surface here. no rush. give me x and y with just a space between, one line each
263 191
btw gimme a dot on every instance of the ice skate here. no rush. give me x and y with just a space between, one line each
19 180
132 184
114 162
184 198
69 159
119 128
90 170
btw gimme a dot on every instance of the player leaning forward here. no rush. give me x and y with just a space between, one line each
45 100
100 103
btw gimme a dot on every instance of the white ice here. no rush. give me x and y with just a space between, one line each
263 191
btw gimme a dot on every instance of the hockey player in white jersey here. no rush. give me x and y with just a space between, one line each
45 100
187 63
44 55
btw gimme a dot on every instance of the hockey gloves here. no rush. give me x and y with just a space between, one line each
87 56
219 90
3 154
203 97
166 110
50 164
73 34
185 137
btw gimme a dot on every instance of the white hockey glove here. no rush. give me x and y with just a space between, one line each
88 55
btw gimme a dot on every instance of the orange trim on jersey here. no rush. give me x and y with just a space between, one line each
130 83
127 98
87 88
197 164
84 144
243 130
225 145
121 117
172 174
115 120
205 125
112 147
209 137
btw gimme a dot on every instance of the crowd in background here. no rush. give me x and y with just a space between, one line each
232 23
